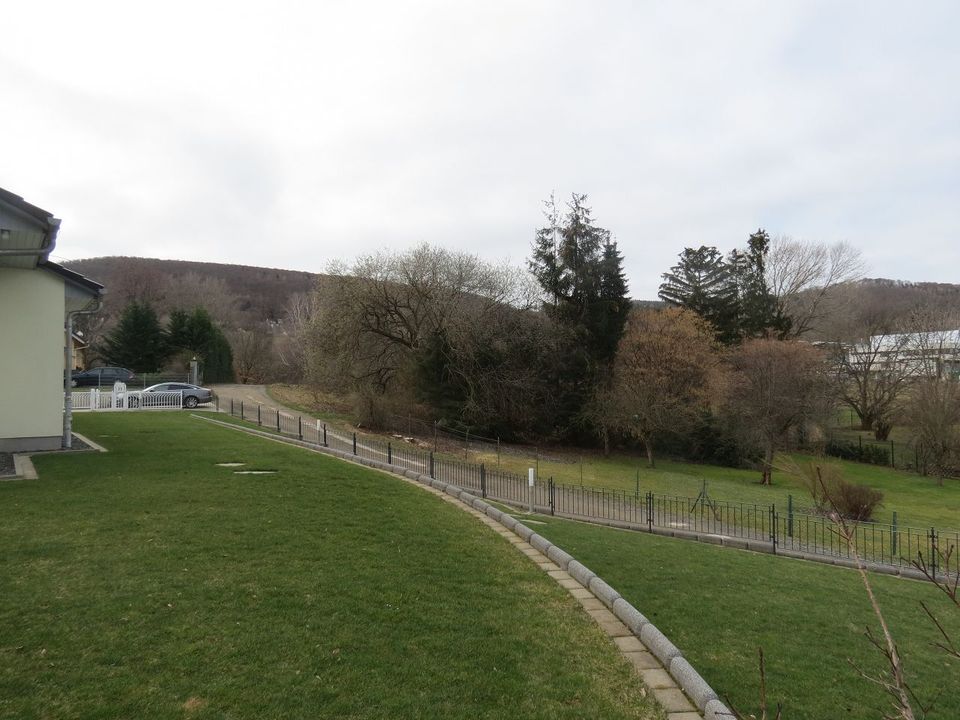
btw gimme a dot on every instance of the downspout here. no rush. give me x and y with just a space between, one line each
68 374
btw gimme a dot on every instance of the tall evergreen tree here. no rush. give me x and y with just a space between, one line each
197 333
701 282
580 269
759 313
137 342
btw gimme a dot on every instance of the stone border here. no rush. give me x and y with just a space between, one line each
650 638
24 469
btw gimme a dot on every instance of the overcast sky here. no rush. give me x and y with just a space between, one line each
287 134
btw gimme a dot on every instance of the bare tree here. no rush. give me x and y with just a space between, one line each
804 276
933 414
665 372
252 357
776 389
191 290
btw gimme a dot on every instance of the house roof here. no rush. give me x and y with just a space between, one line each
81 281
33 235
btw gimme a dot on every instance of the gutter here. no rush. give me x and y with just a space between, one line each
51 234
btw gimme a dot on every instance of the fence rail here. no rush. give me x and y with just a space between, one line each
800 530
96 400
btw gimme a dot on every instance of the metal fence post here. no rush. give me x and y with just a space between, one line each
893 537
892 463
483 480
789 515
774 530
300 427
278 419
258 415
242 417
325 435
354 443
231 407
431 463
649 510
933 553
389 454
551 488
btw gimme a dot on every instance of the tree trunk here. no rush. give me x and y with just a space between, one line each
767 477
606 441
649 448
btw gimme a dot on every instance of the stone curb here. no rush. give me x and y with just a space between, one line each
685 675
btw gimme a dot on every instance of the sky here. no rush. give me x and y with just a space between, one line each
291 134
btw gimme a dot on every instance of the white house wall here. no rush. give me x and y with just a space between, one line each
31 359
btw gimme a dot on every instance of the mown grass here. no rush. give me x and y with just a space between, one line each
719 605
147 582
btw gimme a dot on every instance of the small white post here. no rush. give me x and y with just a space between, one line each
530 475
319 430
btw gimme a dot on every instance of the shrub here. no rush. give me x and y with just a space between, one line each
869 453
831 492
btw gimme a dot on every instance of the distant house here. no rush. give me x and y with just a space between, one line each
933 353
37 299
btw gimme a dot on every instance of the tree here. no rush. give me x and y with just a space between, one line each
758 312
701 282
666 369
197 334
933 413
137 342
804 277
777 388
251 355
580 269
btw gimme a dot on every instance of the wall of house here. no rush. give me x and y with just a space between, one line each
31 359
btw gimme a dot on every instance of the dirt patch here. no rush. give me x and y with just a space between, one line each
193 704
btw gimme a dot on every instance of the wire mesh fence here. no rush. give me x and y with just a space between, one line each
801 530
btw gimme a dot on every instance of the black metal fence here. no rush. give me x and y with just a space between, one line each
796 529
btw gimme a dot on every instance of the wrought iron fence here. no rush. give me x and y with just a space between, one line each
801 530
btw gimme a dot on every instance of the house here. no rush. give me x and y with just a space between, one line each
930 353
38 301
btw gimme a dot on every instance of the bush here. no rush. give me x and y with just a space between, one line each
831 492
869 453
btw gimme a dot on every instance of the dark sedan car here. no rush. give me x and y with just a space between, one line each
193 395
102 376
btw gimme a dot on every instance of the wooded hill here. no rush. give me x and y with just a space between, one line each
236 295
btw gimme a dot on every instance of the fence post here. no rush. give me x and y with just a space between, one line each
389 454
231 407
483 480
933 553
790 515
241 411
278 419
431 463
325 435
354 443
773 527
893 538
892 463
300 427
650 510
550 489
258 415
216 399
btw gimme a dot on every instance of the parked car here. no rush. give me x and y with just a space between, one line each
193 395
102 376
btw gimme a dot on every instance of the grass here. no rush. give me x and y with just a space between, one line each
147 582
719 605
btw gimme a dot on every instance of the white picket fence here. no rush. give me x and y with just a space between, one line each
119 398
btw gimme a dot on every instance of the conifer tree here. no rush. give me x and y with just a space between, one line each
137 342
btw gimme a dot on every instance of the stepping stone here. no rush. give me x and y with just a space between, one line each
571 584
559 574
629 643
578 591
591 603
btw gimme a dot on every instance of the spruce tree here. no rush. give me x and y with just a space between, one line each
137 342
701 282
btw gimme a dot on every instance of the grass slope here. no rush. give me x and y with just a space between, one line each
146 582
719 605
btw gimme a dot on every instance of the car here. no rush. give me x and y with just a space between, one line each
102 377
193 395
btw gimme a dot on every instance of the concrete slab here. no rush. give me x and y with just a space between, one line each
673 700
657 678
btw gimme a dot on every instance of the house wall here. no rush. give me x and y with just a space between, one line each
31 360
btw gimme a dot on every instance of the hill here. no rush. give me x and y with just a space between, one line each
236 295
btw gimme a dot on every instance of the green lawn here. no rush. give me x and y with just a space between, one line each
147 582
719 604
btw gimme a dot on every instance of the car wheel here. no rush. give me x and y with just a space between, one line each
190 401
